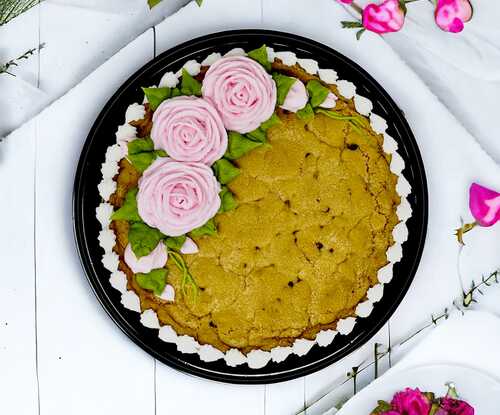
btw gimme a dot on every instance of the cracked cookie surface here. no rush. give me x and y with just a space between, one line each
315 217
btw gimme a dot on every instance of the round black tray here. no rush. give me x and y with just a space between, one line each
86 198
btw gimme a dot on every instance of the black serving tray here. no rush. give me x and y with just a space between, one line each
86 199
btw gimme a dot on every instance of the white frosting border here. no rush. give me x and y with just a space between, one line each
256 358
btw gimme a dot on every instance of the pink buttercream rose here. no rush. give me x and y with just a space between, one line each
484 205
411 402
296 98
330 101
189 129
384 18
450 15
456 407
177 197
242 91
157 258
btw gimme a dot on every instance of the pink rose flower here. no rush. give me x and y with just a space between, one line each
411 402
450 15
189 129
384 18
297 97
157 258
456 407
242 91
177 197
346 1
484 205
390 413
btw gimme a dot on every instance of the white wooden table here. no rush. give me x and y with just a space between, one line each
59 352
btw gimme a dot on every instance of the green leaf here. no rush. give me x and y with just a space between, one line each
225 171
359 33
175 242
198 2
128 211
156 96
260 55
142 161
382 407
257 135
153 3
228 202
140 145
176 92
238 145
271 122
335 115
402 6
351 25
317 92
154 280
189 85
306 113
143 239
208 228
283 84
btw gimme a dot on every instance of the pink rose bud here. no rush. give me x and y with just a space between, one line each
157 258
297 97
189 129
450 15
242 91
384 18
484 205
177 197
411 402
456 407
345 1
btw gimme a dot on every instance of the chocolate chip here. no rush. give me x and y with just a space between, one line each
287 203
330 250
307 155
257 248
352 146
290 284
212 324
319 245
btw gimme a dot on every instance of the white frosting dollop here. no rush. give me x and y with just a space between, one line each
118 281
106 188
109 169
364 309
395 253
192 67
288 58
400 233
302 346
363 105
103 214
270 54
325 337
168 293
234 358
403 187
168 334
309 65
209 353
346 325
186 344
211 59
328 75
110 260
168 80
384 274
375 293
189 247
404 210
258 358
280 353
397 164
378 124
236 52
150 319
107 239
131 301
114 153
390 145
346 89
135 112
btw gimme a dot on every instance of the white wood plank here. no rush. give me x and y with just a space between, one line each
17 280
177 392
86 365
286 397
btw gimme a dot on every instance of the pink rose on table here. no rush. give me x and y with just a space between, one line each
189 129
484 205
411 402
177 197
384 18
157 258
450 15
242 91
346 1
456 407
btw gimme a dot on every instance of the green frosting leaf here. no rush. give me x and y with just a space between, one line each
208 228
283 84
228 202
225 171
142 161
257 135
176 92
128 211
189 85
154 280
175 242
335 115
140 145
238 145
317 92
156 96
260 55
271 122
382 407
143 239
306 113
